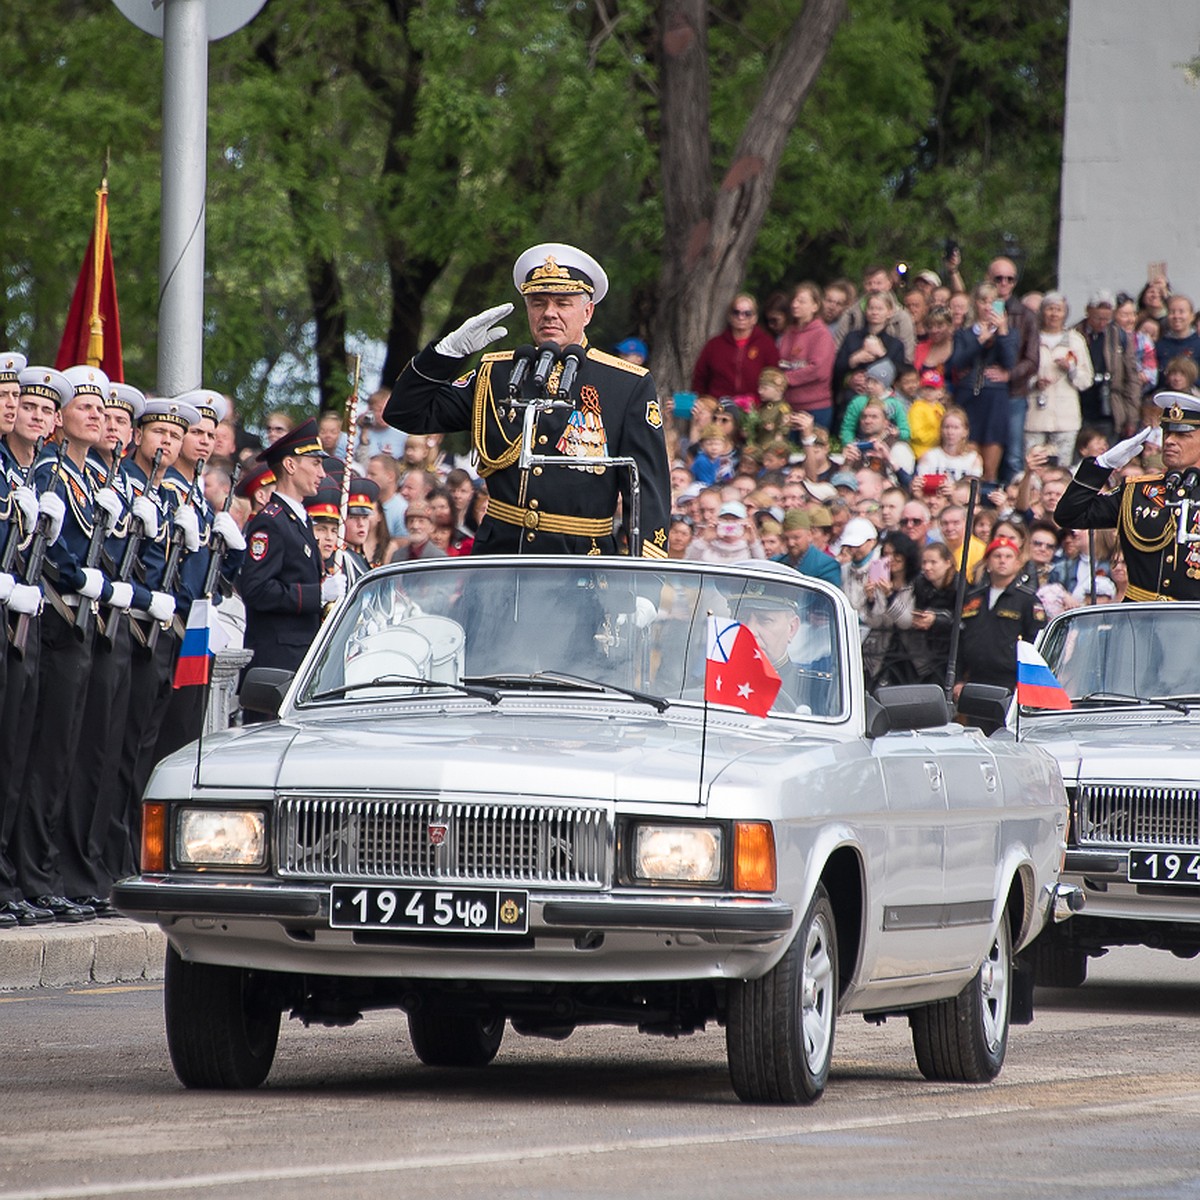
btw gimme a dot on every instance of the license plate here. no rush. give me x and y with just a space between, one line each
428 910
1164 866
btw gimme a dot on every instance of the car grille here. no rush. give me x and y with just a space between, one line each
1131 814
327 838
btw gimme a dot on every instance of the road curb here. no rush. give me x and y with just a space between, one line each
113 950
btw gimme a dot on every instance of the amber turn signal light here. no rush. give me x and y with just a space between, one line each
753 856
154 839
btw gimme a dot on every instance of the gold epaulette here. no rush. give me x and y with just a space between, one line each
611 360
1146 478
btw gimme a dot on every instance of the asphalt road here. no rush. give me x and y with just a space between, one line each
1099 1098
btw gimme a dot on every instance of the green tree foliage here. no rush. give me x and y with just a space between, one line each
374 165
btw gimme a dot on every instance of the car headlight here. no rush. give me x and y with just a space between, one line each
221 837
678 853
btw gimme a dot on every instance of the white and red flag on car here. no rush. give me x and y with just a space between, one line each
737 672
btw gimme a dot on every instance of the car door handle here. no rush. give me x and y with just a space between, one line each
935 775
990 778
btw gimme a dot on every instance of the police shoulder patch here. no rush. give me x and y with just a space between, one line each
653 414
258 545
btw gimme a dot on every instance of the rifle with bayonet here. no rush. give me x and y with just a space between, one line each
133 545
174 559
8 557
87 608
35 562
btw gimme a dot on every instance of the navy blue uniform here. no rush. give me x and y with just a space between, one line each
988 642
281 586
548 510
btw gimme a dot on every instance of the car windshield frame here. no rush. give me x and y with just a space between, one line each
633 624
1136 654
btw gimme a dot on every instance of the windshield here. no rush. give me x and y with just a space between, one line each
1125 650
499 624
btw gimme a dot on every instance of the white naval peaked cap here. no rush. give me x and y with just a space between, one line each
557 267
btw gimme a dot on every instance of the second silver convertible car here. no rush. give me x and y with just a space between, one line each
1129 750
496 796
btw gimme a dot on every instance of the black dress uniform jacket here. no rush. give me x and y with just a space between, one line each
988 642
1159 568
547 510
281 586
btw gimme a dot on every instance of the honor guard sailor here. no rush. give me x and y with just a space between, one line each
282 582
546 509
1145 510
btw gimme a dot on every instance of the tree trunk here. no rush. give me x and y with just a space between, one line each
709 231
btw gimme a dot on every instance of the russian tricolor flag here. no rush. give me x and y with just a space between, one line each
202 638
1037 685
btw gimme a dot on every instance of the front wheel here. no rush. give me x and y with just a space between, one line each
451 1038
222 1026
964 1040
779 1031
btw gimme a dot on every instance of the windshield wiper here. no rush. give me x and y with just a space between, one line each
564 681
491 695
1127 698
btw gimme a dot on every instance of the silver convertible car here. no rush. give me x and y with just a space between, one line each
1129 750
507 793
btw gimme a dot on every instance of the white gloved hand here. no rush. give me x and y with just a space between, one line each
226 528
333 588
188 524
93 584
122 595
52 506
475 333
645 610
147 512
162 606
25 599
26 500
7 583
110 502
1115 457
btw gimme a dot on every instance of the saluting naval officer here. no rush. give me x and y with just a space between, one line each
282 582
1144 510
551 509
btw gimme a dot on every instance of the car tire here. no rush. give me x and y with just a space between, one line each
222 1028
779 1029
964 1039
452 1038
1056 965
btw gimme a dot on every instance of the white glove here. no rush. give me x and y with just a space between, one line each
162 606
27 501
7 583
93 584
333 588
110 502
1115 457
188 524
226 528
475 333
25 599
147 512
122 595
52 506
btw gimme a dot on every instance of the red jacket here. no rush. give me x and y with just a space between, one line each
726 369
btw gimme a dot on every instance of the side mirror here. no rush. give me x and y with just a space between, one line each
264 688
877 719
984 705
914 706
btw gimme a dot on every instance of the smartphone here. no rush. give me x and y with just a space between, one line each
997 307
865 447
932 484
878 571
1156 270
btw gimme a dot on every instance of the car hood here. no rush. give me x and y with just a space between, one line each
1161 746
601 753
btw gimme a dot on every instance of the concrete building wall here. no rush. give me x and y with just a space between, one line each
1131 151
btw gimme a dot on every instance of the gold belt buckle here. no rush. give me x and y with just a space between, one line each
531 519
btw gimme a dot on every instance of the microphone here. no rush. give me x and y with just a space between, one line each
1191 477
1172 481
522 361
548 354
572 356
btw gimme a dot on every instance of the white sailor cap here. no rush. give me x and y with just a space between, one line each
557 267
127 397
11 366
207 403
1181 411
173 411
47 383
87 381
